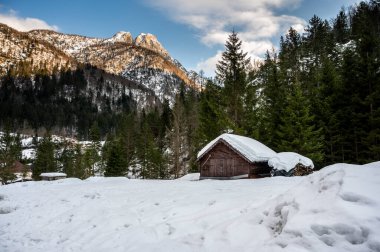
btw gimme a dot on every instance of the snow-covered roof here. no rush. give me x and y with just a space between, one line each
53 174
288 160
252 150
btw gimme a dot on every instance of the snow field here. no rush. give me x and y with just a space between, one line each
335 209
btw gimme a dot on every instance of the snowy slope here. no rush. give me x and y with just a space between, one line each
335 209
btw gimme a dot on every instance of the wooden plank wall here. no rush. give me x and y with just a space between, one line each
223 162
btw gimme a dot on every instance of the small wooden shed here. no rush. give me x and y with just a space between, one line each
232 156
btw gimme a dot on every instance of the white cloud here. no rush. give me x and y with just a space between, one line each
255 20
24 24
208 65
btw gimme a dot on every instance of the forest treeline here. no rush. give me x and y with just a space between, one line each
319 95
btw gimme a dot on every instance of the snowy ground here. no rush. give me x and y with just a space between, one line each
336 209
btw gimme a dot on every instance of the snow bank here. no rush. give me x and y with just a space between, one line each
253 150
190 177
288 160
334 209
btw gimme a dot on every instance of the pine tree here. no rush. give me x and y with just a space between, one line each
45 158
231 71
341 28
10 151
319 38
177 136
272 100
297 132
324 105
128 137
116 164
79 163
67 159
212 119
192 124
92 152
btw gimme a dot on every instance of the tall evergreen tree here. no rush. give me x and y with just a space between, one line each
231 71
297 132
212 119
67 159
45 158
341 28
10 151
270 106
92 156
116 164
177 136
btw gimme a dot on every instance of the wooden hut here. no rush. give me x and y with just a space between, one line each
232 156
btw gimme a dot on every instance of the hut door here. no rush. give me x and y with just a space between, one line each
221 168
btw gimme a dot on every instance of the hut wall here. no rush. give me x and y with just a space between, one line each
222 161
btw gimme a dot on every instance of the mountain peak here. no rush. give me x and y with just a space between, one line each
123 36
150 42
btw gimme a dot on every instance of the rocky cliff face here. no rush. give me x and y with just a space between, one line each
143 59
19 50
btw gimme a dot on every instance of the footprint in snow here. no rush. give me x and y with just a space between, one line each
356 198
7 210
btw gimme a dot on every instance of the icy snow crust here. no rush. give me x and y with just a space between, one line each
335 209
288 160
251 149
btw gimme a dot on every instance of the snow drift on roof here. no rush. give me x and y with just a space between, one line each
251 149
288 160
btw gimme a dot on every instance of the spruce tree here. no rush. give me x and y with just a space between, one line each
67 159
10 151
79 169
116 164
298 133
45 158
231 72
92 152
212 118
271 102
178 140
341 29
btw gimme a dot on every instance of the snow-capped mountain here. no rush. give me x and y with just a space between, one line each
142 59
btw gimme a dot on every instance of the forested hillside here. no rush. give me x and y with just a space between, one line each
69 102
319 95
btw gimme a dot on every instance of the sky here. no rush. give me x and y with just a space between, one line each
193 31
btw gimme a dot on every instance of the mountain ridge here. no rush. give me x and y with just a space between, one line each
142 56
